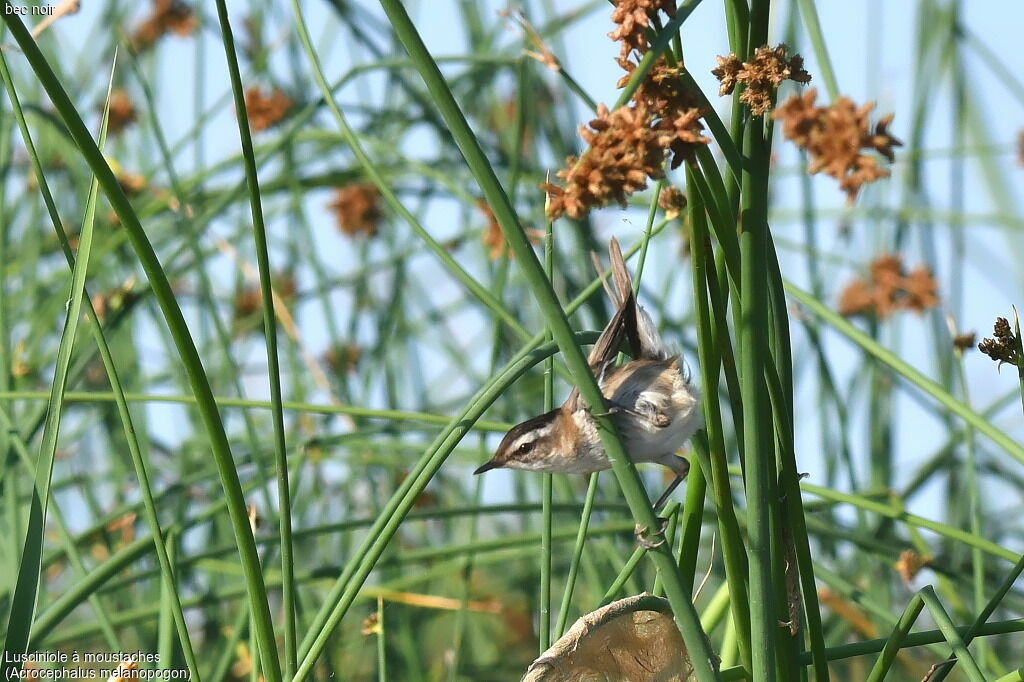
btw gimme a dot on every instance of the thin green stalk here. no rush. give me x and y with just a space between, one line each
373 173
1019 343
625 471
652 212
692 522
382 658
757 426
312 408
951 634
871 646
810 16
219 446
893 362
779 377
979 622
733 549
895 641
577 553
624 575
270 334
25 597
544 634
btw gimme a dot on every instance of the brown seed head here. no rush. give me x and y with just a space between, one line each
673 108
342 359
623 152
357 209
632 19
1002 348
834 136
727 72
761 76
889 289
266 110
168 16
249 301
122 111
629 145
672 201
910 564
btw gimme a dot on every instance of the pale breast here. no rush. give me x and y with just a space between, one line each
653 392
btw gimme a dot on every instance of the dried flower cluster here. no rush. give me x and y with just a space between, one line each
249 301
672 201
632 19
834 137
624 150
494 239
114 299
131 183
761 76
371 625
1002 348
125 525
122 111
629 145
673 108
266 110
890 289
342 359
910 564
168 16
357 208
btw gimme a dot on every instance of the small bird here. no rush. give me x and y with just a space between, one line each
653 404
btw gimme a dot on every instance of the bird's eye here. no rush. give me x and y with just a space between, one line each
526 447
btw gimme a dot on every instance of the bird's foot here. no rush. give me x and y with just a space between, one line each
651 540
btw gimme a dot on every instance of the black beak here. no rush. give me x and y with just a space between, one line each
487 466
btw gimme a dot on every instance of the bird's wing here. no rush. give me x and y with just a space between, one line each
623 323
644 339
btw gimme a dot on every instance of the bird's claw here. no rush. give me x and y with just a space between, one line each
612 410
645 538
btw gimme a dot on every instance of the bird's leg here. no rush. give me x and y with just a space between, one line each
645 410
643 535
668 492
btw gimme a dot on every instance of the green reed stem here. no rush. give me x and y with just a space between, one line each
625 471
270 335
219 447
758 433
577 554
904 369
733 546
26 589
547 483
